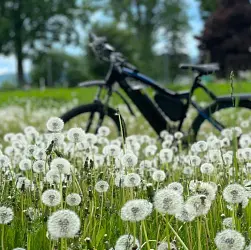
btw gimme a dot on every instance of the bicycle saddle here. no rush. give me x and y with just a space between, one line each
204 69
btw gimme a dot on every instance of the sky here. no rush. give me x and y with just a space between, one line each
8 63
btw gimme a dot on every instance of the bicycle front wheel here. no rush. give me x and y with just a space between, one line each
92 116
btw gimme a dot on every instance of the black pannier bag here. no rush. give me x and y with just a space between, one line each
171 106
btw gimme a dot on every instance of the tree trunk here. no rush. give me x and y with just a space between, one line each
19 45
20 72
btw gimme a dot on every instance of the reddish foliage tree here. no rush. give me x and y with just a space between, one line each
227 36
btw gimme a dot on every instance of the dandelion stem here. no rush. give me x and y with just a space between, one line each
178 237
2 237
146 237
199 233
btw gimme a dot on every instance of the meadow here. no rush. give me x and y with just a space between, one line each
64 189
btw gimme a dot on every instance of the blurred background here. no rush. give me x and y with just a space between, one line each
44 43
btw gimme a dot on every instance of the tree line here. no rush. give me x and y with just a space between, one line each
33 29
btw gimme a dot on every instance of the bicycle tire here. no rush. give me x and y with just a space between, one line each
97 108
214 107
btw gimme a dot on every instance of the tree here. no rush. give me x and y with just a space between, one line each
27 26
146 19
63 68
207 7
227 36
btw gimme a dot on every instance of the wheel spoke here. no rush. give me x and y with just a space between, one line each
100 121
219 126
89 122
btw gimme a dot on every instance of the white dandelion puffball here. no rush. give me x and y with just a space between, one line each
73 199
75 135
4 161
63 224
159 175
57 138
145 165
206 189
132 180
6 215
229 239
51 197
25 164
19 248
201 146
234 193
185 214
168 201
176 186
164 246
103 131
120 180
178 135
207 168
129 160
55 124
166 155
101 186
39 166
136 210
53 176
126 242
198 204
111 150
62 165
91 139
228 222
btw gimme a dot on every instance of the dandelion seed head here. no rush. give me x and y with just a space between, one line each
166 155
51 197
55 124
229 239
199 204
75 135
207 168
111 150
136 210
168 201
228 222
6 215
176 186
62 165
39 166
53 176
234 193
159 175
101 186
129 160
73 199
186 214
25 164
63 224
127 242
164 246
104 131
132 180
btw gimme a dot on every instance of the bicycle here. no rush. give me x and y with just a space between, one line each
166 105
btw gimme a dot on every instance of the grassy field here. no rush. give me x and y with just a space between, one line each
85 95
64 189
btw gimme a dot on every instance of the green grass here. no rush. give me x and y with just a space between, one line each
85 95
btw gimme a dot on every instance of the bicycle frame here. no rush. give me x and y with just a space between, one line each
149 109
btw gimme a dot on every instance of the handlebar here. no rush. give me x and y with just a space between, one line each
106 52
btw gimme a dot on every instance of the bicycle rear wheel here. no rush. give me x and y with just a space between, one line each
92 116
224 114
